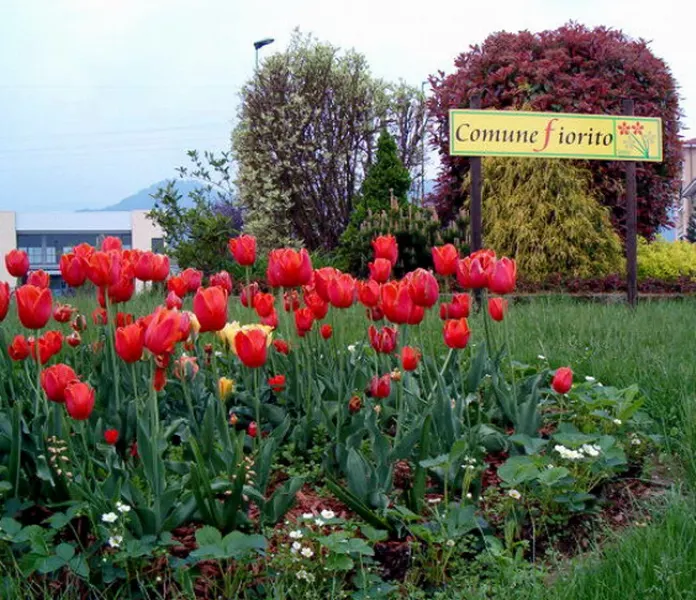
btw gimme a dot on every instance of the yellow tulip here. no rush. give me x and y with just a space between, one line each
225 387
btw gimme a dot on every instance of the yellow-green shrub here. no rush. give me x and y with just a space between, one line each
666 260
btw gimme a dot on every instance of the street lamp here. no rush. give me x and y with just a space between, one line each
260 44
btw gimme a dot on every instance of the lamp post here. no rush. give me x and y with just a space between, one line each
423 84
260 44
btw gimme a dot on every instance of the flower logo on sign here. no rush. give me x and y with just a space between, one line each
633 140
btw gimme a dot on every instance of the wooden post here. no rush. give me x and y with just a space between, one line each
475 205
631 223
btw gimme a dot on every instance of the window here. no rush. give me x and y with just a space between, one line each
35 255
51 255
157 244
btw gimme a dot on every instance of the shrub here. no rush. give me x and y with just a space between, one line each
666 260
541 212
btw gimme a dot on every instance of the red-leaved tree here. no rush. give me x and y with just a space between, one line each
571 69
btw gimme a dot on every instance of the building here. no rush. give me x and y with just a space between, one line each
688 191
47 236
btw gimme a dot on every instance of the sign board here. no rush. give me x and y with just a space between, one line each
554 135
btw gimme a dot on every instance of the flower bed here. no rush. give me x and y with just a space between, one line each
335 435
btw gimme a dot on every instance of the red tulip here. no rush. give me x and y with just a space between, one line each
144 266
110 243
423 288
380 270
264 304
210 307
83 251
186 368
281 346
129 343
39 278
159 380
321 281
243 249
326 331
122 290
223 280
33 306
111 436
103 268
160 267
41 350
177 285
379 387
315 303
253 429
193 279
164 331
445 259
497 307
79 400
74 339
472 271
410 357
277 383
55 379
99 316
17 263
562 380
304 319
502 276
457 309
368 293
19 349
123 319
54 340
62 313
396 302
251 347
385 247
383 340
289 268
456 333
271 320
72 269
291 301
375 313
173 301
4 300
247 294
341 291
79 323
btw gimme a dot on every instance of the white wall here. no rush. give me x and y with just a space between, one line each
8 241
143 230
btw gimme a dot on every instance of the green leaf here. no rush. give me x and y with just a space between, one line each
531 445
50 564
65 551
553 476
357 474
339 562
374 535
208 536
518 470
438 461
10 526
239 545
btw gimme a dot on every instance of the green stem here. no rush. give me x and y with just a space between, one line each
112 350
257 407
442 371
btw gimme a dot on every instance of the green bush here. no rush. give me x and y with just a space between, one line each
666 260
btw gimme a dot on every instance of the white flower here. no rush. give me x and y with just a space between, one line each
616 421
450 543
568 453
327 514
302 574
307 515
590 378
122 508
218 354
514 494
295 547
319 522
635 442
434 500
110 517
541 357
115 541
351 348
307 552
158 579
295 535
591 450
468 496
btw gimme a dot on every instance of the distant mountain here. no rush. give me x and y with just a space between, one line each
142 200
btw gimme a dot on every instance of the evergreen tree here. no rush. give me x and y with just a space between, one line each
691 227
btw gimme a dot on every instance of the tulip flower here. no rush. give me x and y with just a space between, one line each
103 268
289 268
223 280
281 346
354 404
445 259
159 380
72 269
193 279
186 368
396 302
473 270
457 309
177 285
39 278
291 301
173 301
160 267
225 387
17 263
341 290
321 281
264 304
562 380
54 339
123 319
4 300
368 293
251 347
122 290
383 340
380 270
74 339
497 307
315 303
79 323
304 319
164 331
79 400
253 429
277 383
62 313
385 247
326 331
111 243
248 293
423 288
55 379
19 349
410 357
210 308
33 306
111 436
271 320
502 276
144 267
99 316
243 249
129 343
456 333
375 313
379 387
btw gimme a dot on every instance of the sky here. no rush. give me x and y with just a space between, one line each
102 98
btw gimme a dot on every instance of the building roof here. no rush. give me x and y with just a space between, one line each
689 142
99 221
